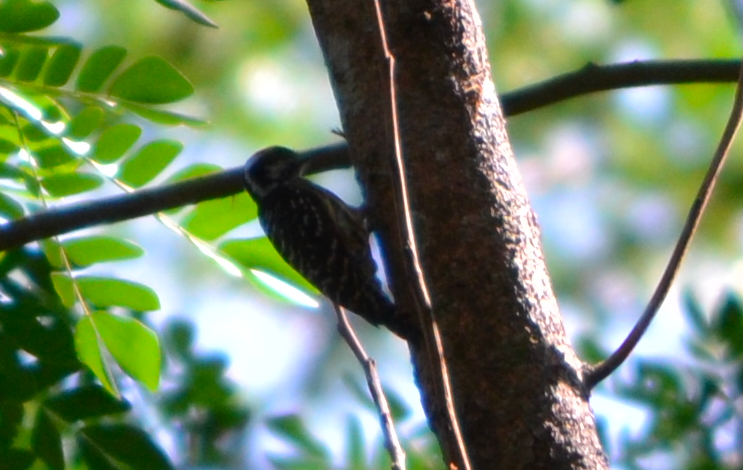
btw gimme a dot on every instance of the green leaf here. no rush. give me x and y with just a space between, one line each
10 208
20 16
8 60
398 406
134 346
730 324
189 10
6 117
52 110
16 459
53 155
293 429
148 162
62 64
11 417
259 253
127 444
11 172
193 171
114 142
167 118
179 336
99 66
93 457
32 132
65 290
46 442
151 80
694 313
211 219
30 64
71 183
89 352
32 185
47 338
104 292
88 401
590 349
7 147
85 122
299 463
89 250
355 448
53 253
17 383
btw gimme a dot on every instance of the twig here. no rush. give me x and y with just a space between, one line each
597 373
589 79
391 441
417 283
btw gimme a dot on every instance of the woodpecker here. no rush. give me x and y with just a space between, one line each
317 233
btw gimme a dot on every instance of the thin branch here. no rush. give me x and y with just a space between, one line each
145 202
596 374
391 441
589 79
112 209
417 284
593 78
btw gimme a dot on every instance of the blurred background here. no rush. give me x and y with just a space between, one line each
610 175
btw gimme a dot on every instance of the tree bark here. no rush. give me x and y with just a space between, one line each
517 383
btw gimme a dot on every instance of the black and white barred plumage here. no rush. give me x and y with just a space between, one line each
316 233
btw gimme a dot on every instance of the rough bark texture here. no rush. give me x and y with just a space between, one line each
516 380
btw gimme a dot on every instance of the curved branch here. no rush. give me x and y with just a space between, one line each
589 79
597 373
593 78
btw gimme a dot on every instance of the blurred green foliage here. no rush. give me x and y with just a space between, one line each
693 420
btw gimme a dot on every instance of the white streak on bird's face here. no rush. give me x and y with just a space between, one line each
269 169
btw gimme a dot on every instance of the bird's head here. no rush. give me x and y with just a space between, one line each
269 168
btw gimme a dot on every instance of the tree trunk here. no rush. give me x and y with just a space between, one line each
516 381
